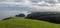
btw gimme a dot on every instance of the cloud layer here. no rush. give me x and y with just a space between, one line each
37 4
31 2
11 7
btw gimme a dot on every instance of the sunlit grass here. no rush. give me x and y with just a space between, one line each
26 23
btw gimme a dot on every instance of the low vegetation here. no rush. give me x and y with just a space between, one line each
26 23
33 20
53 17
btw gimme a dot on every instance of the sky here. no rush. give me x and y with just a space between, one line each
12 7
33 4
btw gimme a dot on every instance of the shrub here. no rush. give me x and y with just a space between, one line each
20 15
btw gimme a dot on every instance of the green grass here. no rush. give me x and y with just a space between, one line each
26 23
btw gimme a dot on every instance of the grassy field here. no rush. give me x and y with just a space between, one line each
26 23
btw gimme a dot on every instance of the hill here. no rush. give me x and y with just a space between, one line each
26 23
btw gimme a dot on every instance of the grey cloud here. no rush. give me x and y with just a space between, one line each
46 2
49 1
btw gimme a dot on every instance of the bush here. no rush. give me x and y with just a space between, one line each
20 15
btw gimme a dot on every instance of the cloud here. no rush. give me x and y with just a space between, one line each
16 2
37 4
12 3
31 2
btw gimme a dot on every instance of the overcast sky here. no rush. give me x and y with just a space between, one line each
9 7
29 2
35 4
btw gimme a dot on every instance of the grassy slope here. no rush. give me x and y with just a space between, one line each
26 23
